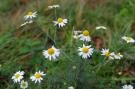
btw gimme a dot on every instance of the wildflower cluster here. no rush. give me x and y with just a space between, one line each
18 77
85 51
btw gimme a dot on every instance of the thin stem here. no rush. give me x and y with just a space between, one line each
55 14
37 4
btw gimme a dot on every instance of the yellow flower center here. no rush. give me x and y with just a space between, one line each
127 88
119 54
129 38
85 50
59 20
23 84
107 54
38 75
50 51
29 13
17 75
86 33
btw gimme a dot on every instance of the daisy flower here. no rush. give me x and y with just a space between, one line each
54 6
75 34
30 15
24 84
18 76
128 39
37 77
85 51
107 53
118 56
85 36
51 53
127 87
71 87
60 22
100 27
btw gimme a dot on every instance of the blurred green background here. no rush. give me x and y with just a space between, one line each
21 47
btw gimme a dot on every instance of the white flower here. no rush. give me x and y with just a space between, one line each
85 36
24 84
127 87
85 51
60 22
51 53
71 87
30 15
118 56
100 27
53 6
128 39
107 53
18 76
75 34
37 77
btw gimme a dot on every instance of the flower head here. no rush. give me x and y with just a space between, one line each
54 6
85 36
100 27
29 16
75 34
127 87
18 76
85 51
51 53
37 77
128 39
107 53
24 84
71 87
60 22
118 56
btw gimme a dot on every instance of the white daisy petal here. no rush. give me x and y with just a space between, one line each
100 27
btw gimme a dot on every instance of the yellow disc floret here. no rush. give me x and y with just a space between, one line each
85 49
37 75
129 38
17 75
107 54
60 20
29 13
86 33
127 88
50 51
23 84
